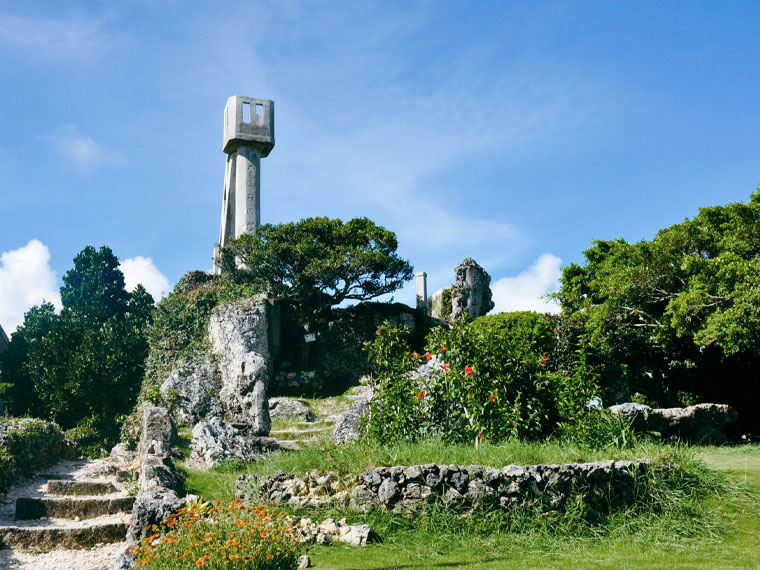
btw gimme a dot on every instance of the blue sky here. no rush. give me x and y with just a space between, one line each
511 132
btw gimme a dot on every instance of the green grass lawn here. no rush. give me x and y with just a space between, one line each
737 545
724 531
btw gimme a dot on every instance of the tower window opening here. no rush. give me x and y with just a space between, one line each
259 109
246 112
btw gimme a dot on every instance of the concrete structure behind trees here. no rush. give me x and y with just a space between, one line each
3 340
248 137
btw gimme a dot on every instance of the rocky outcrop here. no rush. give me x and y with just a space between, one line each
702 423
287 408
239 335
348 424
407 488
233 385
157 433
158 480
197 388
471 291
216 441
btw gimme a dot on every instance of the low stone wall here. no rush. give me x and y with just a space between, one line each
407 488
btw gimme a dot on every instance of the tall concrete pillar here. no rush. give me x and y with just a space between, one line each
421 290
248 137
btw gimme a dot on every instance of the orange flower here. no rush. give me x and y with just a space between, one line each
269 556
446 367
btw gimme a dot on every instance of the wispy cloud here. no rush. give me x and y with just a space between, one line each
63 37
142 271
81 152
26 279
523 292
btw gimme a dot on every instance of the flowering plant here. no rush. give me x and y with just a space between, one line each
496 378
213 535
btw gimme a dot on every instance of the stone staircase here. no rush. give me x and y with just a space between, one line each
79 506
291 433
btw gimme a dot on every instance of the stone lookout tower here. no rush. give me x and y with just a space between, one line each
248 137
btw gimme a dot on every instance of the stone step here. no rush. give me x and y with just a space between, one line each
276 432
68 487
46 539
71 507
297 444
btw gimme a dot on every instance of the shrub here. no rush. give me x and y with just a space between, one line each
211 535
89 443
494 378
26 445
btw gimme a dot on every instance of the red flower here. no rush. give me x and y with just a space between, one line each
480 435
467 370
446 367
443 348
414 353
491 397
428 356
421 395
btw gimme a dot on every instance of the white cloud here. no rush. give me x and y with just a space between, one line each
26 279
141 270
82 152
522 292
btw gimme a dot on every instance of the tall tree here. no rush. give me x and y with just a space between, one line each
86 364
677 317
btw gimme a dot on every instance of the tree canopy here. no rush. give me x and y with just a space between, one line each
674 315
319 262
86 363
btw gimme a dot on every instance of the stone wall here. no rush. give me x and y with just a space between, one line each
407 488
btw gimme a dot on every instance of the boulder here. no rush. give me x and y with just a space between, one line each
215 441
157 433
197 387
152 508
702 423
239 334
347 426
289 408
157 472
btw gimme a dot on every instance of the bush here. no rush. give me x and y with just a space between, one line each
494 378
215 536
88 441
27 445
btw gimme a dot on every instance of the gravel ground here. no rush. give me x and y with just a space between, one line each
96 559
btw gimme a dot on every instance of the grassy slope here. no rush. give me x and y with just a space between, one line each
739 549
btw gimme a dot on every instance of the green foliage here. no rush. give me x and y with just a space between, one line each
493 378
27 445
88 441
318 262
87 361
670 315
